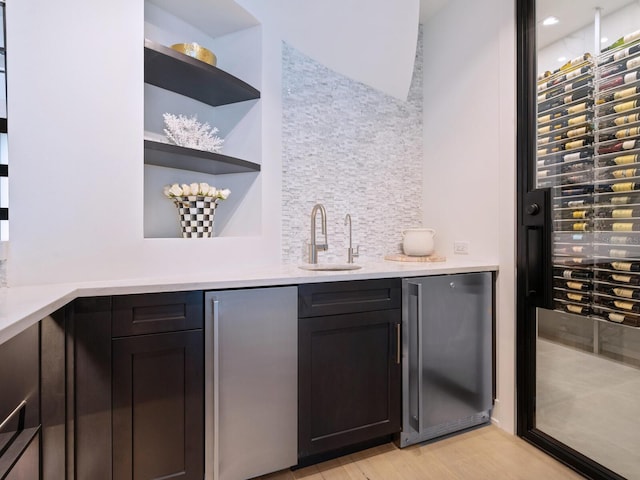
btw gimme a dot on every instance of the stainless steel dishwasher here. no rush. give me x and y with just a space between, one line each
251 382
447 324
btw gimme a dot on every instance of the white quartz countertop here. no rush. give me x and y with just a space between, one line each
21 307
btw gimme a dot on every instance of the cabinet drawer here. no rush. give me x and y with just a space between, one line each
157 313
334 298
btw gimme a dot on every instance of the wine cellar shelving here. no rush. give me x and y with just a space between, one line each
589 155
565 164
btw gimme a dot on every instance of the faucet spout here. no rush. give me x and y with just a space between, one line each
351 253
313 246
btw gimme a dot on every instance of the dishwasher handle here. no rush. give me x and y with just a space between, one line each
415 416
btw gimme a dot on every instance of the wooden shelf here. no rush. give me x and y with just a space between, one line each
180 73
174 156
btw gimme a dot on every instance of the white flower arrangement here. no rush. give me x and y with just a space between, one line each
189 132
196 189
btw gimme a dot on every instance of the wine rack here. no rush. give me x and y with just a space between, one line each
616 208
565 160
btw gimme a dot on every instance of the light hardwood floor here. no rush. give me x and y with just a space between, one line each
485 453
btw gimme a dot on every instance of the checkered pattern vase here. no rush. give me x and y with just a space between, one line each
196 215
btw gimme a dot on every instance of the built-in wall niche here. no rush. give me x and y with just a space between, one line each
226 96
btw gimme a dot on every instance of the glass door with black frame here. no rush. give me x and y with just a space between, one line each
579 318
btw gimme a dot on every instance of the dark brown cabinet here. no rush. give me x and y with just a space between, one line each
348 366
20 406
123 388
158 414
158 386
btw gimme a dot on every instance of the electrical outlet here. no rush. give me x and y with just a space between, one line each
461 247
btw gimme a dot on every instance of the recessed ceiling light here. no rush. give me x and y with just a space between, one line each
562 59
550 21
604 40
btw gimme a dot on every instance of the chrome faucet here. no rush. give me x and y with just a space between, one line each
313 246
350 251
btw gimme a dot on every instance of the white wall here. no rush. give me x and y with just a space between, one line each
76 153
469 174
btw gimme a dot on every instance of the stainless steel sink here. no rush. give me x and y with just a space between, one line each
328 267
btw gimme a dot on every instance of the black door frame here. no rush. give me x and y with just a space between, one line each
526 73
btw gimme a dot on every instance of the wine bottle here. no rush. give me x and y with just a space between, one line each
570 157
630 37
617 147
575 144
625 213
577 309
626 173
626 293
625 159
612 69
611 82
580 107
578 286
620 134
576 274
576 132
581 190
550 116
577 84
579 203
627 52
619 108
619 95
622 278
626 266
575 61
617 80
621 318
577 120
622 253
628 132
549 104
627 119
577 297
623 240
620 200
625 305
580 227
624 227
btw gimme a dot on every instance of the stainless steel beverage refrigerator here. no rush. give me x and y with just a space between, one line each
447 325
578 304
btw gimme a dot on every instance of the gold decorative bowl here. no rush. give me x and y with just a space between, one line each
196 51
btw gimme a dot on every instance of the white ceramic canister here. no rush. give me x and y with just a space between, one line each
418 242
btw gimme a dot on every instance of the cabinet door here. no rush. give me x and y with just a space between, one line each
252 383
349 377
158 406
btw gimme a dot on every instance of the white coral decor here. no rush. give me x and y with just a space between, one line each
188 132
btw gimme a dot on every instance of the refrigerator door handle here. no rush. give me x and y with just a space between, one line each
415 418
216 389
214 470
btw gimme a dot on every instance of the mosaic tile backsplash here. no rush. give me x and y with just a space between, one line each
355 150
